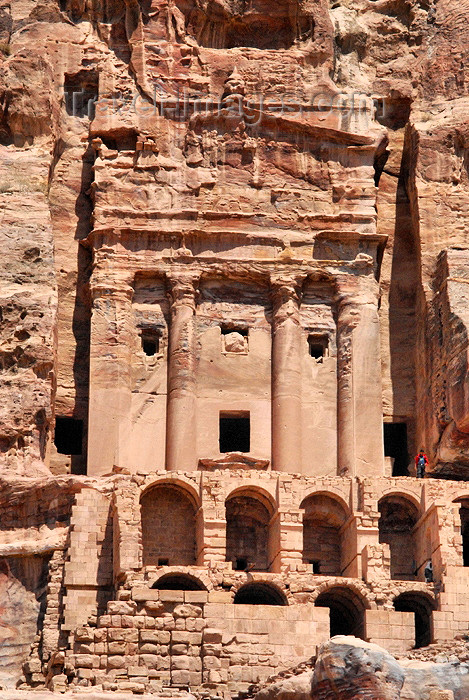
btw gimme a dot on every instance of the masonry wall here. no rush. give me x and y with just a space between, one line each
158 638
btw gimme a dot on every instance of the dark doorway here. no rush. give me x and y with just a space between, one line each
464 519
247 532
422 608
150 342
68 437
398 517
235 432
168 527
322 539
259 594
346 611
395 445
318 346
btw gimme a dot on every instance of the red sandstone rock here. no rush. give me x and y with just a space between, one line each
247 249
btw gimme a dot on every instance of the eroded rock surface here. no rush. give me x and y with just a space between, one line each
217 213
348 668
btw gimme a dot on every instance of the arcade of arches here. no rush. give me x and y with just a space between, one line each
285 561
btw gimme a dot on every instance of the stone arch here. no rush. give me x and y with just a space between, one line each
199 578
422 605
262 494
323 518
332 492
176 581
168 514
405 493
347 608
259 593
248 533
398 516
179 481
463 502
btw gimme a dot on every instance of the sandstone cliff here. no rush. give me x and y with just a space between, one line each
98 132
58 58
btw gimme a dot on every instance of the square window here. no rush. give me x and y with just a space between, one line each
234 339
163 561
235 432
318 346
150 342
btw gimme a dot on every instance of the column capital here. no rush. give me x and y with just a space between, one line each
286 293
182 288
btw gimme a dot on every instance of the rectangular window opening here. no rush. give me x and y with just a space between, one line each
318 346
395 445
315 566
150 342
68 437
163 561
235 432
241 564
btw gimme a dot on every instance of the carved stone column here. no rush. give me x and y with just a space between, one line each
347 318
359 392
180 422
110 387
286 374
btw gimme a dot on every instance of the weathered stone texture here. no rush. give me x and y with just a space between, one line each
233 243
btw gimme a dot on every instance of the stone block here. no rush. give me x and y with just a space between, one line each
220 597
32 666
179 649
172 596
180 677
117 647
119 634
84 661
84 634
211 662
150 661
86 673
155 607
152 636
195 596
183 637
212 635
131 686
137 671
180 663
115 662
187 610
121 607
195 679
141 595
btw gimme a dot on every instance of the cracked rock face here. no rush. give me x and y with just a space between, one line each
350 668
347 668
96 139
18 625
